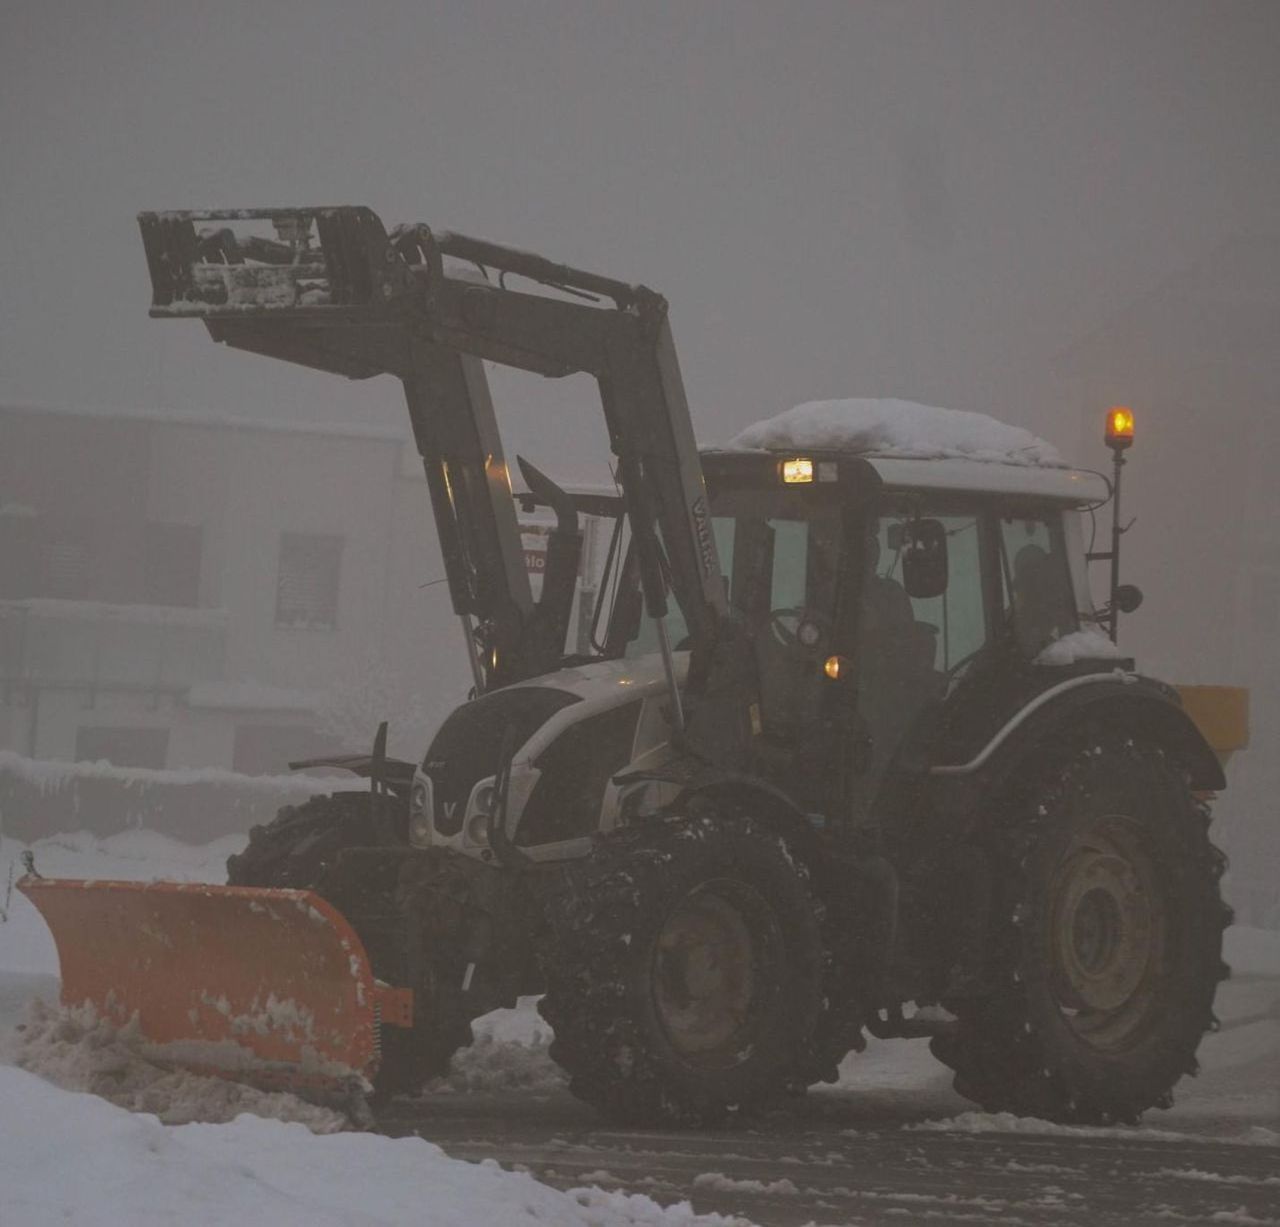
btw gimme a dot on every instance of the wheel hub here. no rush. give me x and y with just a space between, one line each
1107 934
705 974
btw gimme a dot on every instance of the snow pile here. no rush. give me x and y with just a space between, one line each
1007 1122
720 1183
1088 644
80 1052
50 773
76 1159
495 1063
1202 1177
897 428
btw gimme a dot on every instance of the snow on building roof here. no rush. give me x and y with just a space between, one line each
897 428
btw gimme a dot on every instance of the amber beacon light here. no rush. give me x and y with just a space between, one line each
1119 428
1119 438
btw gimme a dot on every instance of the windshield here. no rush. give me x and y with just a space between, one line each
779 558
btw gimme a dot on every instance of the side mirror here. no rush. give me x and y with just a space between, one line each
924 559
1128 597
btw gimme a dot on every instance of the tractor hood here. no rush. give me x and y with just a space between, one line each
468 747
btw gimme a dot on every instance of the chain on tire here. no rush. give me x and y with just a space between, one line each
1106 953
683 971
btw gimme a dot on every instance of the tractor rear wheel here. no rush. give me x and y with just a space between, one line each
683 971
300 849
1107 944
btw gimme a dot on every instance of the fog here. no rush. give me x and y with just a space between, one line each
1029 209
929 200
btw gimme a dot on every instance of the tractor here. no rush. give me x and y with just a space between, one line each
852 750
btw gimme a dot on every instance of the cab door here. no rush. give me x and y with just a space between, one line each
915 639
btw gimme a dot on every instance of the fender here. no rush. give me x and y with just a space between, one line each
698 779
766 802
1128 702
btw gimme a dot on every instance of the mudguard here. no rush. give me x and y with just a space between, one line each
1124 700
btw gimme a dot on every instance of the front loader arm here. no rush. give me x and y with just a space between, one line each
336 292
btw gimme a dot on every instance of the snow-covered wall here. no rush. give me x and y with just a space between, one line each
42 798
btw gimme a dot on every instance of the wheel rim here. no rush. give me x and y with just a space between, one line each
1107 935
711 972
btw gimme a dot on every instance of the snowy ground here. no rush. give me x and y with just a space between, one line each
70 1157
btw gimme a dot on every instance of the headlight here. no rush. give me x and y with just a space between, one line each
478 829
419 815
482 802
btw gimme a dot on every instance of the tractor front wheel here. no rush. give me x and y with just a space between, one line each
301 849
683 972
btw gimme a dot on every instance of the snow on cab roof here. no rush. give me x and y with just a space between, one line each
963 450
900 429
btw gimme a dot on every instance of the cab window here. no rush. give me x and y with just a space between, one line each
936 633
1039 603
645 640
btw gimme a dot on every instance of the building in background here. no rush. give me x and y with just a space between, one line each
182 592
1198 359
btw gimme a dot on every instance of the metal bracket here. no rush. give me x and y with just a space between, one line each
395 1005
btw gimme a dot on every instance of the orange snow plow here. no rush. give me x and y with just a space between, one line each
269 986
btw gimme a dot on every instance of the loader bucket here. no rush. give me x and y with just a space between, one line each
269 986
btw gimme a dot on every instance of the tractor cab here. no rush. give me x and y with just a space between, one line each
871 590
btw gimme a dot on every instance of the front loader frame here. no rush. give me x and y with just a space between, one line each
335 291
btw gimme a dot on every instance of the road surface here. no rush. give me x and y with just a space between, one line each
859 1153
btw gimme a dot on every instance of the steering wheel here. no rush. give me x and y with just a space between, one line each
797 629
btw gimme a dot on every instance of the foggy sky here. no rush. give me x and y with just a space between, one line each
928 200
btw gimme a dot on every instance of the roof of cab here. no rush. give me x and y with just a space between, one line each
1075 487
1079 487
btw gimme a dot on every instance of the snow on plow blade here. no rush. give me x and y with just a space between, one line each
270 986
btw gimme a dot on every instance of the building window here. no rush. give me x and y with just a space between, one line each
19 554
307 582
66 566
125 747
173 564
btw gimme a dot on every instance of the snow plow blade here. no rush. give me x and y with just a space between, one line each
268 986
